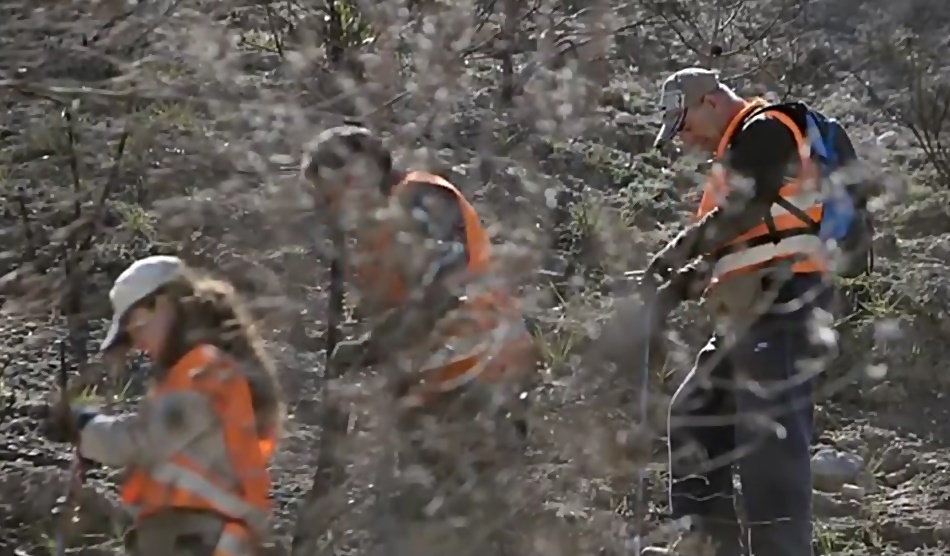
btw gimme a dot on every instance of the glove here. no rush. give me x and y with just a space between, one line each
64 424
691 281
659 266
666 263
675 254
353 352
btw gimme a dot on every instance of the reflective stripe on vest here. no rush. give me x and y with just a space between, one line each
234 541
491 344
185 483
511 345
469 333
752 256
802 201
181 482
470 349
794 238
459 359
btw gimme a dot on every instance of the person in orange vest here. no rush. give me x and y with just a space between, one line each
444 327
196 451
423 265
747 404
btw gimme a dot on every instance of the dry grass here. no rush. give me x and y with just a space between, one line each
170 128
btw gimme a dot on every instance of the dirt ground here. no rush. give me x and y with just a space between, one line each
129 129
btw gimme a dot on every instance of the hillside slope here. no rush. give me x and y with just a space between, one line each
170 128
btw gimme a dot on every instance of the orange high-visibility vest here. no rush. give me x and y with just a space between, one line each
485 337
792 237
182 483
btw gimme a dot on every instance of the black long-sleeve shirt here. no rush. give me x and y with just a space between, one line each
764 155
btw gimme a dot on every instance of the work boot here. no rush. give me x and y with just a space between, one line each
706 537
692 544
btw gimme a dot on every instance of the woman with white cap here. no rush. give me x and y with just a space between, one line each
196 450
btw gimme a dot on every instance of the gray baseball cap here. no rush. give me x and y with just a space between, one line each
683 89
140 280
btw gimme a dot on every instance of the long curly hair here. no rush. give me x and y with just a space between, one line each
208 311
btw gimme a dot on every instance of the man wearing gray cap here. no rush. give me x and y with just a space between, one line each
747 402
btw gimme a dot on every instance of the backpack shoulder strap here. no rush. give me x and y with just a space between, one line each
821 136
781 113
782 116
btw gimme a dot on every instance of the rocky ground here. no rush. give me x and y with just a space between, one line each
194 162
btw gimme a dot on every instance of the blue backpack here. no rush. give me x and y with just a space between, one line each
845 219
839 210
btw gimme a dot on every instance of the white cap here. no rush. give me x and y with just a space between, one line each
143 278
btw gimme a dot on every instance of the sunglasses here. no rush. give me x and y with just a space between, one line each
326 159
680 122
